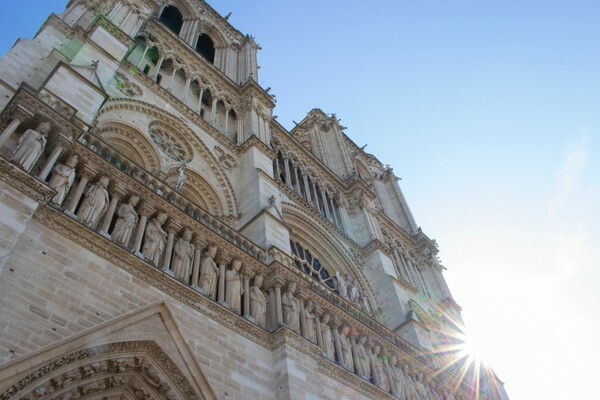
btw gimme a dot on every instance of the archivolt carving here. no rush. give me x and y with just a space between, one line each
170 142
324 246
198 190
132 143
180 126
140 368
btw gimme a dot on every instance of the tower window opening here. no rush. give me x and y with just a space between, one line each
172 19
206 48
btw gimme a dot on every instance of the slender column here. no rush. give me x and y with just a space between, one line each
278 306
307 189
240 131
247 274
357 367
318 313
139 64
213 112
325 206
297 184
116 195
172 77
146 210
303 327
336 342
137 26
333 213
10 129
51 161
126 19
186 90
277 173
273 313
158 66
86 174
316 197
288 175
196 265
221 288
226 120
200 101
172 229
115 10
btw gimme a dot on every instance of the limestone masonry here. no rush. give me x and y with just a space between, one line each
163 237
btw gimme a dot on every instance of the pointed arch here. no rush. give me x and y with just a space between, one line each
198 190
323 245
120 357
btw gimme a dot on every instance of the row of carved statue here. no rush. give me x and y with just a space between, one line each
234 287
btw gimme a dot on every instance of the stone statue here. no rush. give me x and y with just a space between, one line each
258 302
62 179
363 359
397 378
341 285
379 376
310 321
209 273
420 386
363 301
352 290
155 239
448 395
30 146
409 387
431 392
328 347
291 308
127 218
94 204
183 256
346 356
181 177
234 287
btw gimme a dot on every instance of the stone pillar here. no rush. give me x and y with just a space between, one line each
86 174
196 265
143 57
357 367
316 197
157 70
278 306
273 312
115 10
175 69
336 342
186 90
172 229
8 132
297 185
116 195
221 288
146 210
247 274
303 327
61 143
325 205
307 189
226 121
277 172
288 175
213 112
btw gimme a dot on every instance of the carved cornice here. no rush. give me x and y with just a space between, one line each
25 183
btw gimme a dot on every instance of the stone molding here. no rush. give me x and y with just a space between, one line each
24 182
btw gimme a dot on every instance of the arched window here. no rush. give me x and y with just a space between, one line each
310 265
206 48
172 19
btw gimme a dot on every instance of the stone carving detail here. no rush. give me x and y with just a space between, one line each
226 161
30 146
209 273
126 221
234 286
57 104
345 358
181 177
94 204
309 317
125 86
379 376
155 239
169 144
363 359
63 176
410 390
258 302
328 346
291 308
183 256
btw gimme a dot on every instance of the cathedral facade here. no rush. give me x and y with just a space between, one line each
162 236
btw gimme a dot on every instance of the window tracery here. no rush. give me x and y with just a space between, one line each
167 142
310 265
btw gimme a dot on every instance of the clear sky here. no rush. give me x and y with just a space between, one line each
489 111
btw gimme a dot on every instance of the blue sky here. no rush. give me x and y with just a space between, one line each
490 114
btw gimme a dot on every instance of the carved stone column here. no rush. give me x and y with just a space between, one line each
297 185
352 337
221 287
8 132
316 197
247 274
117 193
61 143
196 265
336 342
325 205
278 306
146 210
303 329
307 189
172 229
86 174
288 176
213 112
